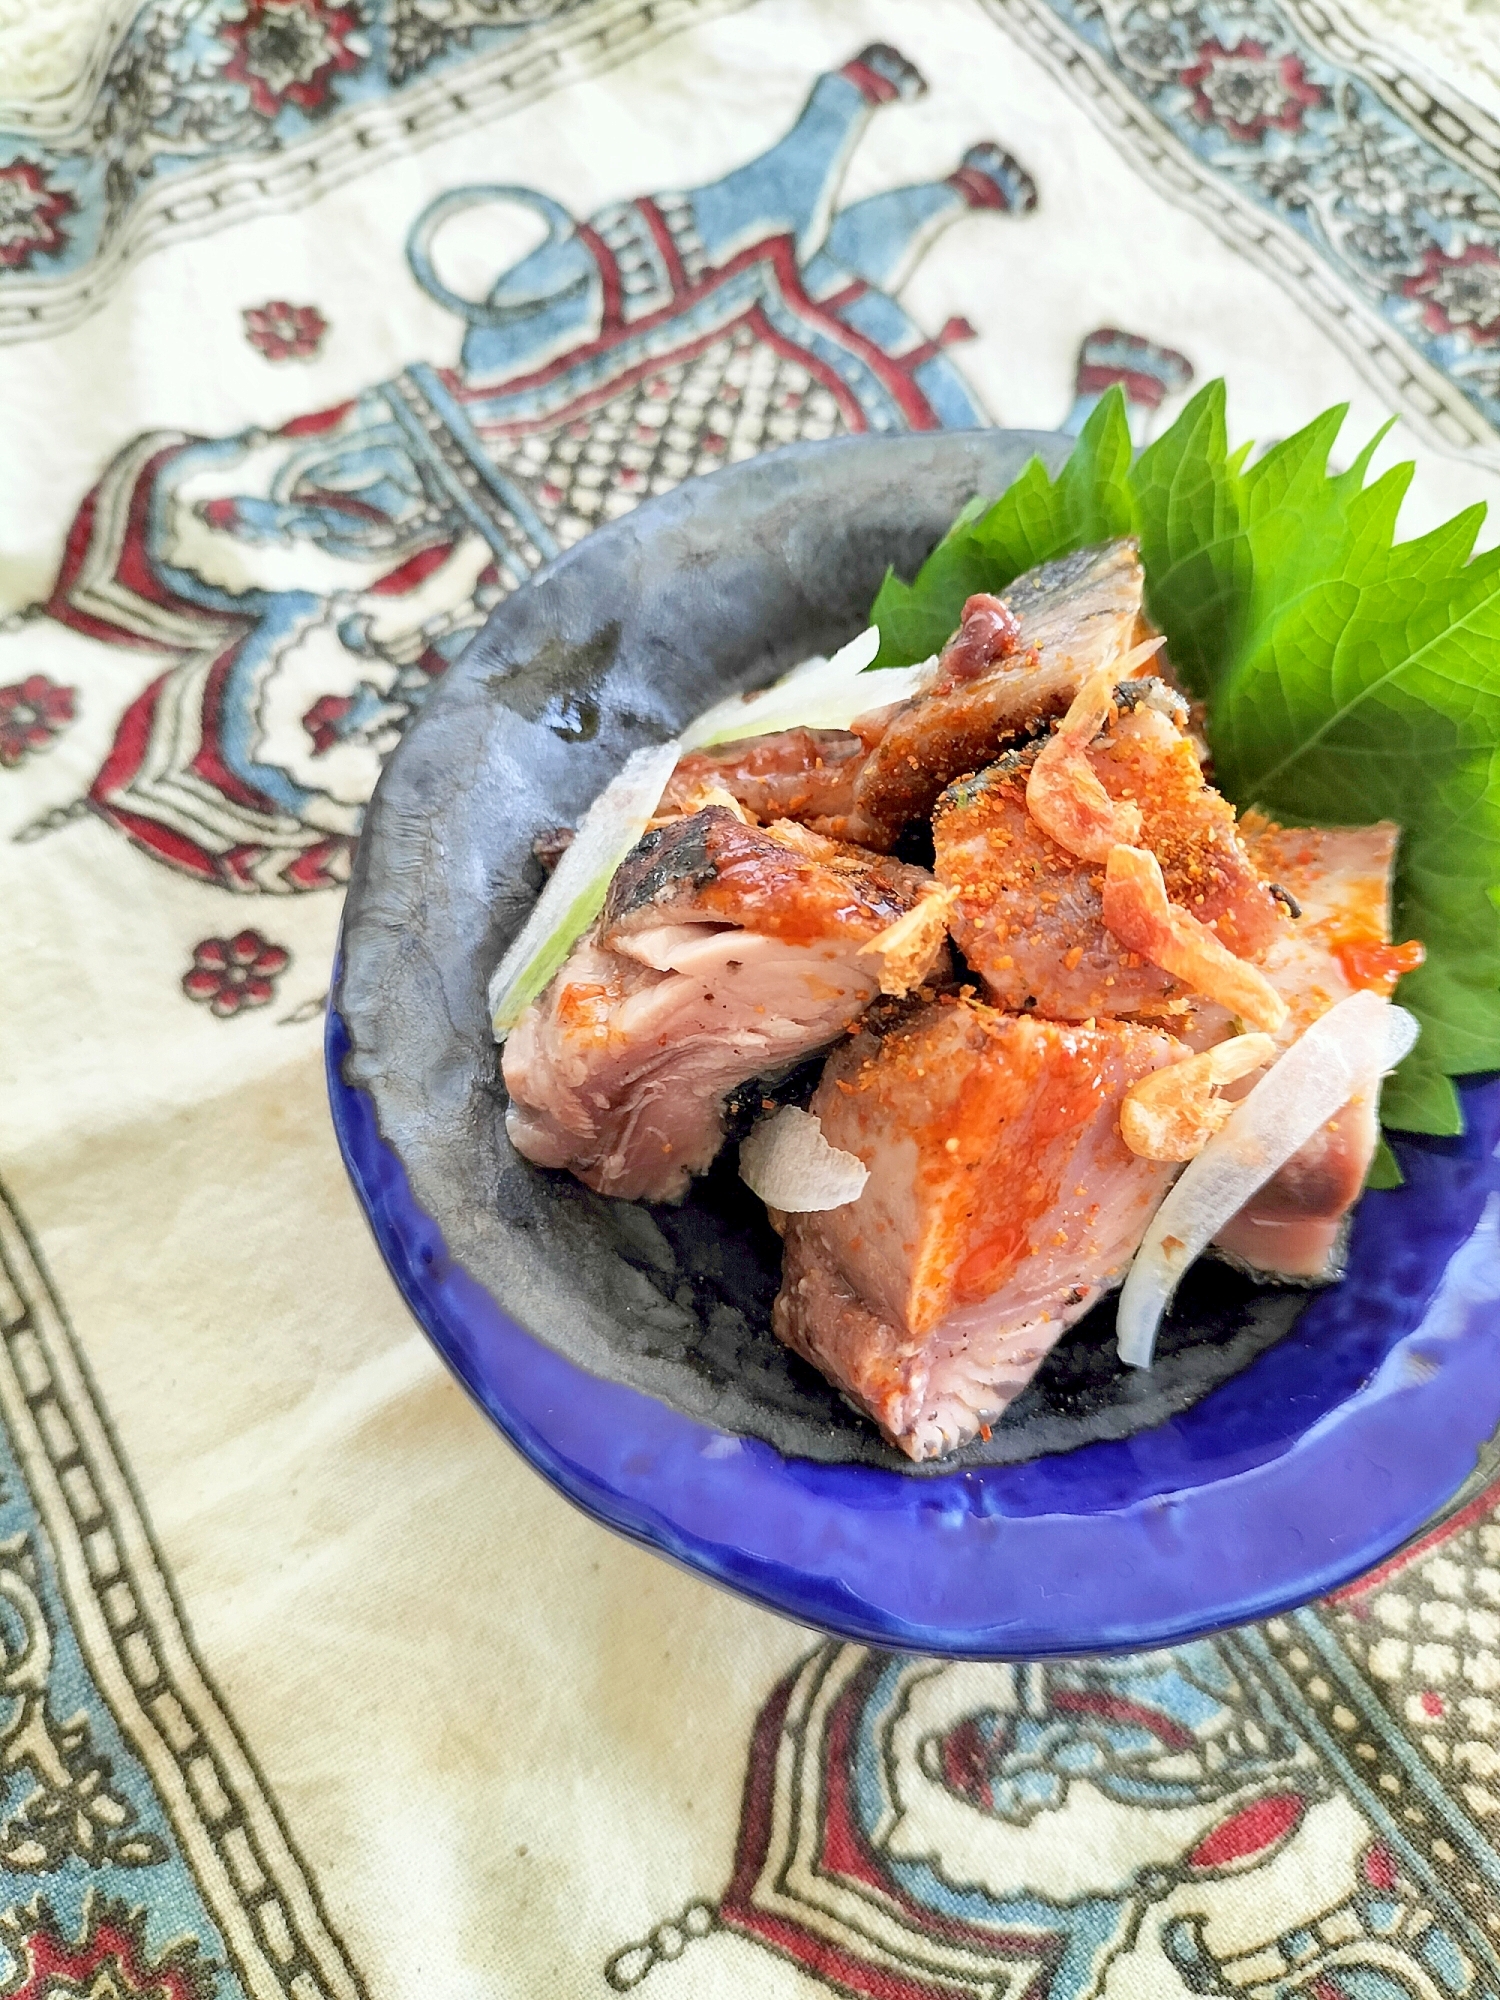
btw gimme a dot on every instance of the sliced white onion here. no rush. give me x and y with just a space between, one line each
791 1166
575 894
820 694
1345 1051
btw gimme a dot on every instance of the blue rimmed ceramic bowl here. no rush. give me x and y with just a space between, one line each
1283 1442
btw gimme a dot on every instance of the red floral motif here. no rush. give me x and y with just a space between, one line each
32 712
1250 1833
285 332
230 974
112 1957
1377 1866
1460 294
289 51
1248 92
30 210
322 721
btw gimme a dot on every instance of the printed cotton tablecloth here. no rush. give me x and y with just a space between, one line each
308 1686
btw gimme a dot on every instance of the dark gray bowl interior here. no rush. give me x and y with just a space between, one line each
721 584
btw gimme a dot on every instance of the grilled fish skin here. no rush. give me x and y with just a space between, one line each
1075 615
783 880
1013 663
723 952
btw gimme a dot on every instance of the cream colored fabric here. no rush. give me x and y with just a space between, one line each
506 1743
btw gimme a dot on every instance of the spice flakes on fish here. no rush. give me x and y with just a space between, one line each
723 952
1001 1202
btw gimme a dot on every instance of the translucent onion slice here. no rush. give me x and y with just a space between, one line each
820 694
791 1166
1345 1051
575 894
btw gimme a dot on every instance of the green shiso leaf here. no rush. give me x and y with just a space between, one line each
1189 518
1035 519
1347 677
1385 1169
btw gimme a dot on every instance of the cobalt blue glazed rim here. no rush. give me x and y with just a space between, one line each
1113 1547
1326 1451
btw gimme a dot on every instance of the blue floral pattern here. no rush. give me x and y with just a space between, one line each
193 82
1400 205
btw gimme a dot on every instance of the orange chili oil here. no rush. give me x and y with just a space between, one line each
1375 968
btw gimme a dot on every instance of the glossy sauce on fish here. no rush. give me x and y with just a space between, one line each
1001 1200
801 774
723 952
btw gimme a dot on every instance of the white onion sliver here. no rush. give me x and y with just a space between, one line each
820 694
1346 1050
791 1166
738 714
575 895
